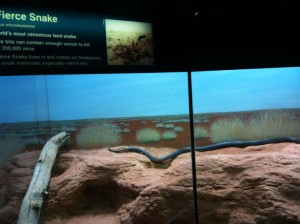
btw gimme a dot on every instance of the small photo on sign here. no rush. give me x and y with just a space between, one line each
129 42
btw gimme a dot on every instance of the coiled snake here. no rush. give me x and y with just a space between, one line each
239 144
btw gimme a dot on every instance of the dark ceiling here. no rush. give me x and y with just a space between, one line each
149 8
231 14
182 8
209 33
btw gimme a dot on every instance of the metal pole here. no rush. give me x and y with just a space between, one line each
193 154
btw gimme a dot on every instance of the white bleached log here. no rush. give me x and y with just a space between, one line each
33 200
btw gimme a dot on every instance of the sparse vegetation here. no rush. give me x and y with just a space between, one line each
126 130
169 125
68 128
269 124
178 129
147 135
160 125
98 134
228 130
273 124
168 135
200 132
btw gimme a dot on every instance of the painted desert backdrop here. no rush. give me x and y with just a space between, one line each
157 131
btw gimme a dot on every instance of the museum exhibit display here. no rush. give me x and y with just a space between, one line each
129 113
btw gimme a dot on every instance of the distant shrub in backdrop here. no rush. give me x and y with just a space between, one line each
68 128
9 146
200 132
228 130
168 135
169 125
125 130
147 135
268 124
178 129
98 134
273 124
160 125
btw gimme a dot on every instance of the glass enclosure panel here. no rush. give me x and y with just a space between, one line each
23 115
104 173
252 119
131 102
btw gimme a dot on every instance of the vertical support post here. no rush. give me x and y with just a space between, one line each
193 154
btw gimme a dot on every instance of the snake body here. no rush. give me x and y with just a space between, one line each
239 144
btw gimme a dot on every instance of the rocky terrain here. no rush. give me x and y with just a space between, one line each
253 185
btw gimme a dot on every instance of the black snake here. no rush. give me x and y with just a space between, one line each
239 144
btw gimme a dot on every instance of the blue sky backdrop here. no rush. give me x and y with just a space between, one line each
24 98
244 90
93 96
117 95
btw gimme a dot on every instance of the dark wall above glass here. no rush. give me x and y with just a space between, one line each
198 35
